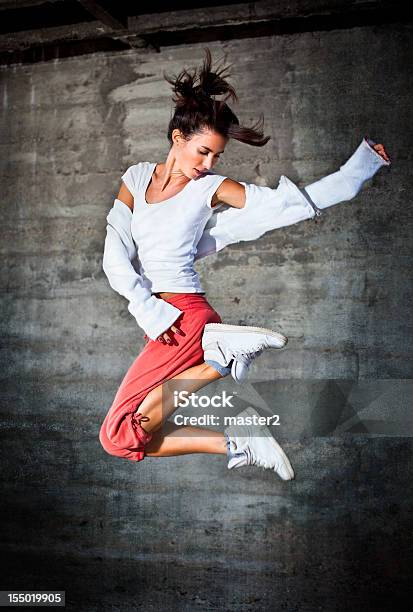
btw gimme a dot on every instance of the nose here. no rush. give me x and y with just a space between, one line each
208 163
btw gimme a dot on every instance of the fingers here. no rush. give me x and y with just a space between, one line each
177 331
379 148
168 339
165 338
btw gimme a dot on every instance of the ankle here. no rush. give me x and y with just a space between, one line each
231 451
222 369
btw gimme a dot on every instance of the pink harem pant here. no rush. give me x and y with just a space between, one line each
121 433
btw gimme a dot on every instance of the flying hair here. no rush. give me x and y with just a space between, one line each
197 109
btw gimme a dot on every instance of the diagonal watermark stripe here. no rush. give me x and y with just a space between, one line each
305 408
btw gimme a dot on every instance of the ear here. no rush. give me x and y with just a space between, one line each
176 136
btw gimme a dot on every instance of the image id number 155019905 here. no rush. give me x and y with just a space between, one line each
32 598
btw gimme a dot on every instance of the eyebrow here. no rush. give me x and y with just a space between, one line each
210 150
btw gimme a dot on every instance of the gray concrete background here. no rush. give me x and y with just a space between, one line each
185 533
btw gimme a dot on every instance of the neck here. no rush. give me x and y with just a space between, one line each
171 174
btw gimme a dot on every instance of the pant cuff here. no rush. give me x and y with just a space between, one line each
223 370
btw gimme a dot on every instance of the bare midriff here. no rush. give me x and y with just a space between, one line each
166 294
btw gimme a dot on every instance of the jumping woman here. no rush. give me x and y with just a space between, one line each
168 215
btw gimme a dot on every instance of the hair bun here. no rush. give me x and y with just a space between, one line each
196 86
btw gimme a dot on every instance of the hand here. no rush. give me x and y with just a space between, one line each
379 148
165 337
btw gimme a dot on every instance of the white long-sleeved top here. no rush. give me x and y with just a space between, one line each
265 209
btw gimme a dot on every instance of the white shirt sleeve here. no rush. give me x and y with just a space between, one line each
346 183
129 178
152 314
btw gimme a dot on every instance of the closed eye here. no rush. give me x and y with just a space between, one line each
206 153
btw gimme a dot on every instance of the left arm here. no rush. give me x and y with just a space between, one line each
250 210
229 192
233 193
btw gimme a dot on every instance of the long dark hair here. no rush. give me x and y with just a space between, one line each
197 109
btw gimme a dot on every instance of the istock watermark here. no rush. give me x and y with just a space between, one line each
187 403
214 419
300 408
183 399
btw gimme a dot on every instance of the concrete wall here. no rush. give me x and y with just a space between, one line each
185 533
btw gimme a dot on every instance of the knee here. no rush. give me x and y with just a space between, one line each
105 441
128 441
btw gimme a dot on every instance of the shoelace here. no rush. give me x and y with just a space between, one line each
248 356
252 459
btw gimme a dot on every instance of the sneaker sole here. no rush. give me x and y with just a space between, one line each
273 441
245 328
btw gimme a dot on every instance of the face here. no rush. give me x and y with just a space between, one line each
198 154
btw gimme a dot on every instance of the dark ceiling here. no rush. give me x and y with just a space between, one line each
33 30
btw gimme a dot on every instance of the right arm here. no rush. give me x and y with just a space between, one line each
126 197
153 315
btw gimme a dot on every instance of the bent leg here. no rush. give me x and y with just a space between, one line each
134 454
172 440
122 433
132 438
158 405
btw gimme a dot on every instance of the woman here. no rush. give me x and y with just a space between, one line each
168 215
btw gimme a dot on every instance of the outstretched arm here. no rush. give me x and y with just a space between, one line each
250 210
324 191
346 183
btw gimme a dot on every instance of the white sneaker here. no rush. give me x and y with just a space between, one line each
224 343
254 445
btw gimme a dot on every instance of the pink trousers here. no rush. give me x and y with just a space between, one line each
121 433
